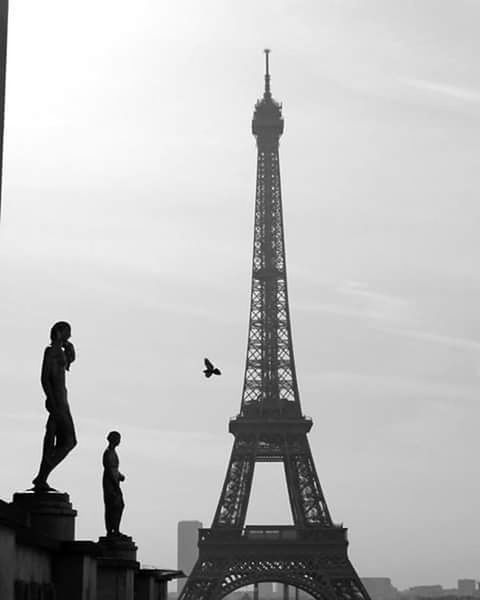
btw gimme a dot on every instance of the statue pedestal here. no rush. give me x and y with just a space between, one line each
117 565
50 513
74 571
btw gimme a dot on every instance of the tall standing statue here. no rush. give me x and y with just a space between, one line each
60 436
112 494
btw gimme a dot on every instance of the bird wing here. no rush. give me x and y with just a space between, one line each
208 364
217 371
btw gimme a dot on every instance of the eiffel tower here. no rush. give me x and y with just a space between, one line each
311 555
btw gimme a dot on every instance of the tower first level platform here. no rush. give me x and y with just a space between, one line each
312 559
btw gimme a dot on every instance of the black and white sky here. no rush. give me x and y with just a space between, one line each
128 211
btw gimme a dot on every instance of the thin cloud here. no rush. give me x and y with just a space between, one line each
435 338
446 90
356 299
390 387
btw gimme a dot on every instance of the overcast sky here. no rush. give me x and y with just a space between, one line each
128 211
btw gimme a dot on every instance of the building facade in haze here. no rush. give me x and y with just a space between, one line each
466 587
187 547
380 588
265 590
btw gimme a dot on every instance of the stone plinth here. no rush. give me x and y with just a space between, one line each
7 562
50 513
75 571
151 584
117 546
117 566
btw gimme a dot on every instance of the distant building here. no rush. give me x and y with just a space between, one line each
426 591
265 590
380 588
466 587
466 590
456 596
187 548
240 595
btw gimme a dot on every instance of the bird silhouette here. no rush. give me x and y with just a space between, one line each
210 369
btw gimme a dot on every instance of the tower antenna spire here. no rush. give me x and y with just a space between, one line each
267 93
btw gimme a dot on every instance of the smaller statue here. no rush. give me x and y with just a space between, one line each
60 436
112 494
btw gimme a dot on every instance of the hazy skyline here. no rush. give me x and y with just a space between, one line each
129 185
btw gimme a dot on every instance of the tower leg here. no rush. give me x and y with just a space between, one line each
233 503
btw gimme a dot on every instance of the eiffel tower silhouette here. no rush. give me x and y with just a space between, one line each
311 555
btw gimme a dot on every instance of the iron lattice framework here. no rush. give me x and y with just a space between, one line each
312 554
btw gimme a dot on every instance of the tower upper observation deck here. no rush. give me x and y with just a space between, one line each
267 123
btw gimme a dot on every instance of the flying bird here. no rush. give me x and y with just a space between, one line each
210 369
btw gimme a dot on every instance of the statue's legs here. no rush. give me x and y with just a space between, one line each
113 513
117 517
47 454
65 438
59 440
